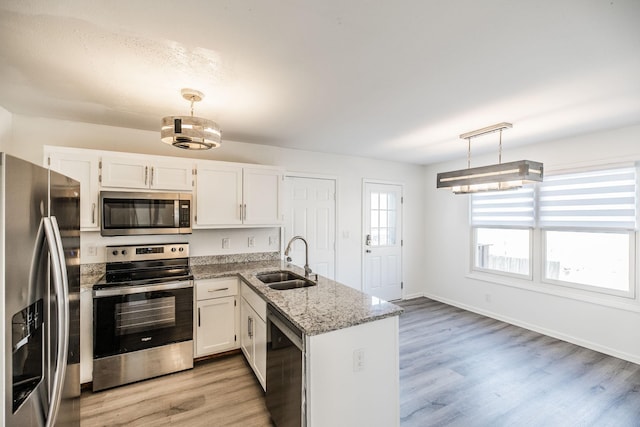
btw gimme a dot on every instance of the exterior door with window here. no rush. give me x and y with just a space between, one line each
382 245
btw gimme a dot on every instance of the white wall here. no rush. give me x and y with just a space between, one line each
595 322
5 128
30 134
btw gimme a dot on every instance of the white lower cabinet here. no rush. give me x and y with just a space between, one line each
253 336
215 316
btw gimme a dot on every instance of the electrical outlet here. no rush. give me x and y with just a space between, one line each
225 243
273 240
251 241
92 250
358 360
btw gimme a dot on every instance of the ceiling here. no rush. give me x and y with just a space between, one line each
380 79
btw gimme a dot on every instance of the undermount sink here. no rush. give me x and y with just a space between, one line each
283 280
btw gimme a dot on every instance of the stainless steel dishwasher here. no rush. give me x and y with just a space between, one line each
285 367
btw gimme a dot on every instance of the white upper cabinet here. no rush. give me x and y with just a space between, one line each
83 166
218 194
233 195
226 194
134 171
262 194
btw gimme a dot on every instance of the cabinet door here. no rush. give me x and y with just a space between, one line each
125 172
247 318
260 351
218 194
262 198
215 325
85 168
175 175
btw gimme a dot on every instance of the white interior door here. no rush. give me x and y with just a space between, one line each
310 212
382 246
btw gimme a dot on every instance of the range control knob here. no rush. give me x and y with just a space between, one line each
124 252
181 249
115 253
173 249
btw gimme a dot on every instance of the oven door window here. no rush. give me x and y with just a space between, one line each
145 315
138 213
134 322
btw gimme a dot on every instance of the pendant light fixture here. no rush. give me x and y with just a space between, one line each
190 132
498 177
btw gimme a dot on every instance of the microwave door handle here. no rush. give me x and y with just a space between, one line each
60 284
176 213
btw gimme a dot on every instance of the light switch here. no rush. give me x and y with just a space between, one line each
251 241
225 243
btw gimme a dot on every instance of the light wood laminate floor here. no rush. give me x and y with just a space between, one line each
456 369
220 392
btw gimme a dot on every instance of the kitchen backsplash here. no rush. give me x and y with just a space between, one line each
214 242
91 273
234 258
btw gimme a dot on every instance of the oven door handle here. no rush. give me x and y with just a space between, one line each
127 290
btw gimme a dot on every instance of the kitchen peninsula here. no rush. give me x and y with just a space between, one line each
350 344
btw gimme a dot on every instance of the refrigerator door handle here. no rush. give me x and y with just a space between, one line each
39 253
60 283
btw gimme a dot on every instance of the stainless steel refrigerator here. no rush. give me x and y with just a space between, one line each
40 295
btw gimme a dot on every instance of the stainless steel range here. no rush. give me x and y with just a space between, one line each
143 314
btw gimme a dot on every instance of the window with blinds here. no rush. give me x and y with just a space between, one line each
603 199
501 231
514 208
585 221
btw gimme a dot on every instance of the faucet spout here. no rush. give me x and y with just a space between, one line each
307 269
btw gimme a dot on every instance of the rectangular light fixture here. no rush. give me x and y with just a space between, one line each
501 176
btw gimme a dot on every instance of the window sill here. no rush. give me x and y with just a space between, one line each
618 302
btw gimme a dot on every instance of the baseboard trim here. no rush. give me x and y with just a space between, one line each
535 328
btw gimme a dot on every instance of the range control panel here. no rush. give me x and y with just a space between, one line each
128 253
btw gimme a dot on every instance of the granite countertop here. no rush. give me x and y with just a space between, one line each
87 280
326 307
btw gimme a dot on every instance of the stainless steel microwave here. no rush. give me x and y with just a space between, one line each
134 213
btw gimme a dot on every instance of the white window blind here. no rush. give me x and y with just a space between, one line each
513 208
595 199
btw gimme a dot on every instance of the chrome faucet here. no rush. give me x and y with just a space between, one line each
307 270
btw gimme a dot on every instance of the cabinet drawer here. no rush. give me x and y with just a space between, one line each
257 303
216 288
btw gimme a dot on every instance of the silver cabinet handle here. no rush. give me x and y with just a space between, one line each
146 174
93 213
198 317
245 212
218 290
152 170
250 327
